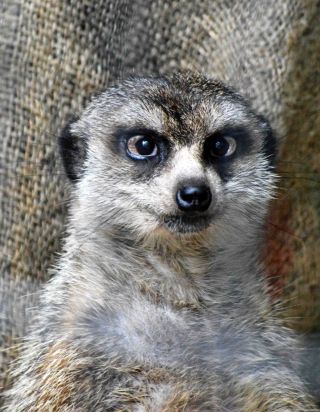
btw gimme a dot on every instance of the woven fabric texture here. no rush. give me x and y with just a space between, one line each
55 54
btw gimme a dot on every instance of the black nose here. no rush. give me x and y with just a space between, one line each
194 198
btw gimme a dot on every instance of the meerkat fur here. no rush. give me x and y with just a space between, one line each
153 307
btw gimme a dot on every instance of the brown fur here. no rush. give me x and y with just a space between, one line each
153 309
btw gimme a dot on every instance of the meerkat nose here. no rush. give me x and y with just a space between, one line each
194 198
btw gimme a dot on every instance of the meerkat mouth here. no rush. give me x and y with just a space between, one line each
187 224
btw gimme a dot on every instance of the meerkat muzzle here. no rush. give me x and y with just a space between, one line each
194 198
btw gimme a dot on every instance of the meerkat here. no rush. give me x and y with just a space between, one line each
159 301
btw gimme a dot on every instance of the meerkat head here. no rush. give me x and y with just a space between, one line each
183 154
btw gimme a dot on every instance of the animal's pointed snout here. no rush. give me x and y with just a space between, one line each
194 198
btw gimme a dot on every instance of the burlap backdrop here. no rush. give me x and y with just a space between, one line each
54 54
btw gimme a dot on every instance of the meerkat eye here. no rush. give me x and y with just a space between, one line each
142 147
222 146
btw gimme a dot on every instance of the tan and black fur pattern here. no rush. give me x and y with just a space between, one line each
151 310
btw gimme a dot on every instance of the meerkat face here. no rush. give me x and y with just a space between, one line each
178 154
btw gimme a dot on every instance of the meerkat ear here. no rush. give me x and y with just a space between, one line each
73 151
270 141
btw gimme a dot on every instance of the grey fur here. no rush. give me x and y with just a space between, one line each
146 316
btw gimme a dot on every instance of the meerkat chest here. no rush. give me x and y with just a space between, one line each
176 281
147 329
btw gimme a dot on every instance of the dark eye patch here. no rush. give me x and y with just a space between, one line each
148 167
223 163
